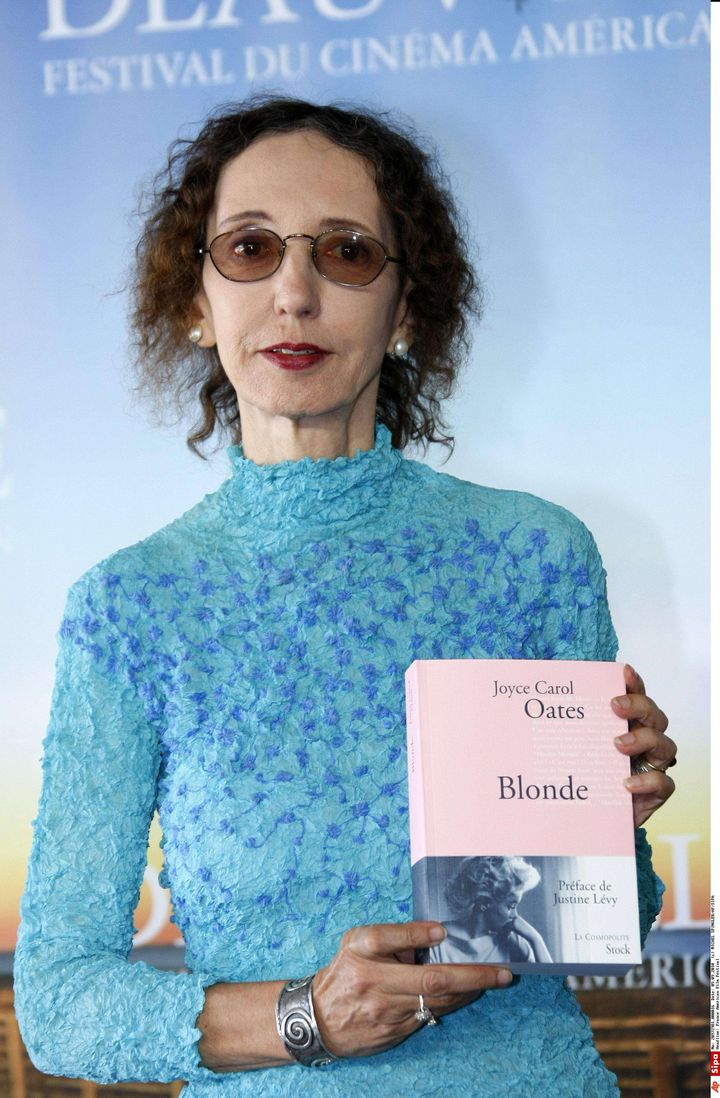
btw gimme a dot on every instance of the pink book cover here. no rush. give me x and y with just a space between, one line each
521 830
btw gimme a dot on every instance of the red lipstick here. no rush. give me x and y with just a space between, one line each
294 356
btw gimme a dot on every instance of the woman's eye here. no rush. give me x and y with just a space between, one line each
248 247
244 247
346 250
352 252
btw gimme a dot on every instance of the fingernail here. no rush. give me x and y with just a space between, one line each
627 737
633 782
629 667
622 702
504 978
437 933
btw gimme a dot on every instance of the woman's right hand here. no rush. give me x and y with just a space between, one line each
365 999
534 937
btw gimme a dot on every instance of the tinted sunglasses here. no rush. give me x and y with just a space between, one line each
340 255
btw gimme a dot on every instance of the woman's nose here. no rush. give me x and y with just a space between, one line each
296 283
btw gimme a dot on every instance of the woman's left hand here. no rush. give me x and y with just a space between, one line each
646 737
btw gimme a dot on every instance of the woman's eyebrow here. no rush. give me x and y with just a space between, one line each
258 215
347 223
325 223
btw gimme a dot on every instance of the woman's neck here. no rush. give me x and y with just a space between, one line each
467 930
269 439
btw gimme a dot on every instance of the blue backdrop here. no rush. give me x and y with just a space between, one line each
576 139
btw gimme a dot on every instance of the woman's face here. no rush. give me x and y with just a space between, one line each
301 183
504 911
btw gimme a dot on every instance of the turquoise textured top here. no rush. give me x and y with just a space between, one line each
242 671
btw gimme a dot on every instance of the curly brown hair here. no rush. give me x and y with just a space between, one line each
428 229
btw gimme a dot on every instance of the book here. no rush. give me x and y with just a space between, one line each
521 830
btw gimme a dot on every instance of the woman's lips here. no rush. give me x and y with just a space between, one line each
294 356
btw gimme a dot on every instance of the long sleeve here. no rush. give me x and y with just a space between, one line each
83 1008
650 887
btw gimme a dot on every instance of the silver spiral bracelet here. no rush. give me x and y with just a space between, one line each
297 1025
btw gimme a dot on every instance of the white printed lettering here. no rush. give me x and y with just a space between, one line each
60 27
279 12
379 56
636 977
701 26
124 67
681 882
102 79
225 16
289 67
442 53
328 61
525 44
482 47
217 72
621 34
77 76
555 43
260 62
158 19
330 10
661 970
170 66
53 73
594 29
661 30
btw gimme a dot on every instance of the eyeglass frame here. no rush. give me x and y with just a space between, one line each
202 251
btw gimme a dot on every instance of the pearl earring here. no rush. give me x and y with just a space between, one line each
401 347
195 333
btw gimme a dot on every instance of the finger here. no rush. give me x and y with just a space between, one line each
641 709
649 792
653 783
442 984
460 979
381 941
633 681
405 956
659 749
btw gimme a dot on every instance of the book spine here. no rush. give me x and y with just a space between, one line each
416 785
422 904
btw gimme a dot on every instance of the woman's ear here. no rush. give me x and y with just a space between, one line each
201 330
404 327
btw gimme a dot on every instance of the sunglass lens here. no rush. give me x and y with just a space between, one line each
348 258
245 255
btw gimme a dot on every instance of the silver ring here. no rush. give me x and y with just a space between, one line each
424 1014
642 765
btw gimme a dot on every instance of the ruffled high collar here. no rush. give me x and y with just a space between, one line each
315 491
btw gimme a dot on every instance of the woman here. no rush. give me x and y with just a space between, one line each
483 895
242 669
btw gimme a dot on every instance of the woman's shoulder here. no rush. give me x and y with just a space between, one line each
487 509
182 546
